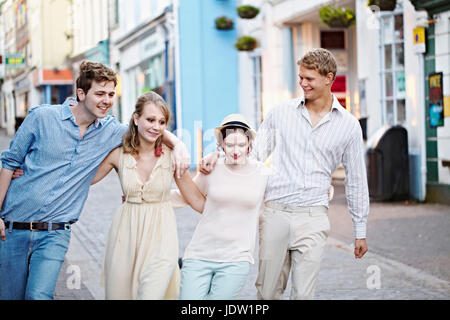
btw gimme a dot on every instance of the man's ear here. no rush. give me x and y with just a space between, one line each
329 78
80 94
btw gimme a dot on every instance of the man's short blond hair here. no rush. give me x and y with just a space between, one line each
320 60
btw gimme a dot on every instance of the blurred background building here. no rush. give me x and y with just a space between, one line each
393 64
35 49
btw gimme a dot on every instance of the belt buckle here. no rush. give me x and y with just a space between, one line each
31 226
66 226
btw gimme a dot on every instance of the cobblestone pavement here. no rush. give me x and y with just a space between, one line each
341 275
408 254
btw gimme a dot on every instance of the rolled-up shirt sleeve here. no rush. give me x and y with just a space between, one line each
22 142
265 140
356 188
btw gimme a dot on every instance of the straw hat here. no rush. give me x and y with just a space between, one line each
234 120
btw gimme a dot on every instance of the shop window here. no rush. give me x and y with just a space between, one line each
332 39
150 75
392 75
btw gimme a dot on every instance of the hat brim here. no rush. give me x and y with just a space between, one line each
218 129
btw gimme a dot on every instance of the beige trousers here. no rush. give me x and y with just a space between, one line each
291 239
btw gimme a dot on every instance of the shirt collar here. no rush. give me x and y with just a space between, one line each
334 106
67 113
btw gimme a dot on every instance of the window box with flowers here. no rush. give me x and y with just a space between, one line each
247 12
224 23
337 17
246 43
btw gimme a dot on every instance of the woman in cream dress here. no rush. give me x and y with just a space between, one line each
141 251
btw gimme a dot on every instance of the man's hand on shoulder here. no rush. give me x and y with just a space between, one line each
209 162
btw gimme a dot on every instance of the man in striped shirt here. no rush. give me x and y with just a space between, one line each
307 139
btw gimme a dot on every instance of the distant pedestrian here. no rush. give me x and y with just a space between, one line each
141 254
58 148
308 138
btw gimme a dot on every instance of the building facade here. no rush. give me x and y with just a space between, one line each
89 33
142 52
35 39
435 68
395 75
208 80
291 29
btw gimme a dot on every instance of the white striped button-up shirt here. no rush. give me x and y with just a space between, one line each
304 158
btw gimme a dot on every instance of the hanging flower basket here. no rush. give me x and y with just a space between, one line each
224 23
246 43
247 12
384 5
337 17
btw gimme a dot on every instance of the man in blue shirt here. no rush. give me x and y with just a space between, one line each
59 148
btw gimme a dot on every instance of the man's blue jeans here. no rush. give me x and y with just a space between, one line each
30 262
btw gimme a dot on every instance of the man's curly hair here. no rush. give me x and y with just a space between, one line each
94 71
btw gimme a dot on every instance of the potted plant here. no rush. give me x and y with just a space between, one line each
224 23
337 17
246 43
247 11
384 5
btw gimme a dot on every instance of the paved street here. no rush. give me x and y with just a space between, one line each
408 254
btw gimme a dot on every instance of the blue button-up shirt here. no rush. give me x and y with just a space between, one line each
58 166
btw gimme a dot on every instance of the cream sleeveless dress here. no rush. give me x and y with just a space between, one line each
141 254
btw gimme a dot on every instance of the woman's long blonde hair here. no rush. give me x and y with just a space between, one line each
130 142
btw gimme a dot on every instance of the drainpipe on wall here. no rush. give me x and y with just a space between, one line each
178 107
422 21
169 65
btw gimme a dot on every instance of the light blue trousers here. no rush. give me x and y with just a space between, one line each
208 280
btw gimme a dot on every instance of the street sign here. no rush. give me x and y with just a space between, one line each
15 60
419 40
436 105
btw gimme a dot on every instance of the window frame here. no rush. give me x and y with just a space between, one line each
393 70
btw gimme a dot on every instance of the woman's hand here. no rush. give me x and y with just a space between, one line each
330 193
17 173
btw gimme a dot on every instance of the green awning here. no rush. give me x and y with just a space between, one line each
431 6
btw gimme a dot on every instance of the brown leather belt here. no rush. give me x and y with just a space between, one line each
38 226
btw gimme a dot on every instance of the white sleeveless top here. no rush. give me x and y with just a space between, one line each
227 230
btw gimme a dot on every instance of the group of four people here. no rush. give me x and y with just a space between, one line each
62 150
